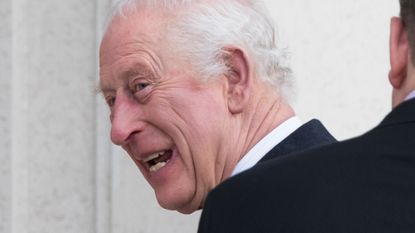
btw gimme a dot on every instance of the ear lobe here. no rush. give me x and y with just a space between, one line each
399 49
239 79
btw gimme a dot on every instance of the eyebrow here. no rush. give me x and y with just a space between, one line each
135 69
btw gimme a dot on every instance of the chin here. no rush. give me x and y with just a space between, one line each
174 201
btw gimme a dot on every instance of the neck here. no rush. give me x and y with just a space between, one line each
406 88
264 120
266 113
411 95
402 94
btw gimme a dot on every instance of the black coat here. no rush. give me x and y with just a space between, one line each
362 185
308 136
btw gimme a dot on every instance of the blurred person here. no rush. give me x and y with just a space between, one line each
197 94
365 184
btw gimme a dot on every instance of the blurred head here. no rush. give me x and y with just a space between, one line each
184 80
407 12
402 47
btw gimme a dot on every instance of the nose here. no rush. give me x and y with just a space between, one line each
125 120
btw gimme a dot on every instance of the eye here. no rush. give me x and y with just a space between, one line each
140 86
110 100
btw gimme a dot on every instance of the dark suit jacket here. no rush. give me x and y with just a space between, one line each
308 136
362 185
311 134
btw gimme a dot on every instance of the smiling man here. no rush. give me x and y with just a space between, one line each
196 93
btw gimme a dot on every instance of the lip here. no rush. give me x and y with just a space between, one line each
144 166
164 172
141 157
153 156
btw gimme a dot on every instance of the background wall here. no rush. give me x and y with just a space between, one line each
59 171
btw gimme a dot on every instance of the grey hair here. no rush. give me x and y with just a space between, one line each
211 26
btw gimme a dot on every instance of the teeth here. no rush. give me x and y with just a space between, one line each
157 167
151 157
154 156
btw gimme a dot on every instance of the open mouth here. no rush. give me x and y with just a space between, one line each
158 160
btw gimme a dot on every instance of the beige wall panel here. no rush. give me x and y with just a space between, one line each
53 116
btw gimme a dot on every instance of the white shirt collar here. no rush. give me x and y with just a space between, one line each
266 144
411 95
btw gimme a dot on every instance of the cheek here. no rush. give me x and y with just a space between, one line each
200 125
195 123
192 116
196 128
202 134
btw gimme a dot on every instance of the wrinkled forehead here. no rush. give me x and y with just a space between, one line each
141 26
130 40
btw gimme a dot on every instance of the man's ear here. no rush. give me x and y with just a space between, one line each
399 50
239 78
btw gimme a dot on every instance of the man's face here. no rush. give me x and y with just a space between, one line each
173 126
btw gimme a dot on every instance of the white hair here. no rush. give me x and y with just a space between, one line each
210 26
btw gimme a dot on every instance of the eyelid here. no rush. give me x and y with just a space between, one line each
139 80
110 99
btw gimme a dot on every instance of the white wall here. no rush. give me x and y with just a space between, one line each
339 52
60 173
51 120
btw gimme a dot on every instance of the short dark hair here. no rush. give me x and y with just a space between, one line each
408 18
